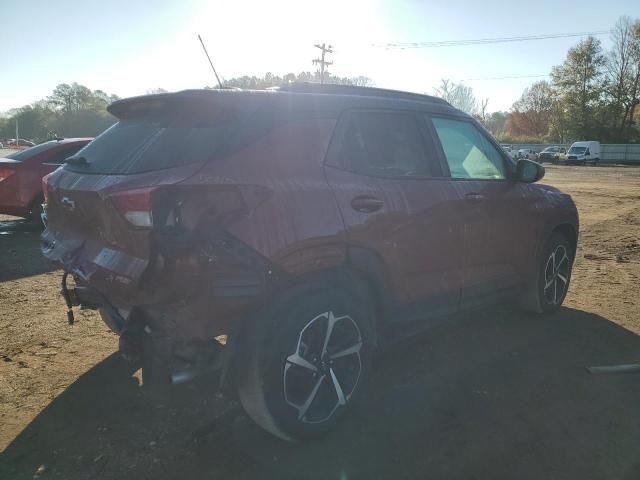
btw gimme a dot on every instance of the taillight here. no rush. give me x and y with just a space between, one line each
45 186
6 173
135 206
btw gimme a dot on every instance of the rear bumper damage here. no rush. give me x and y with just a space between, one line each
175 358
182 312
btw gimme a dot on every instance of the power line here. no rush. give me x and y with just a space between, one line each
321 60
504 78
484 41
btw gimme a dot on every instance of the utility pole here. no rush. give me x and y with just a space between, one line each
322 61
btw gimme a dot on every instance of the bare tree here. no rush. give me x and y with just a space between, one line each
532 112
483 110
458 95
623 70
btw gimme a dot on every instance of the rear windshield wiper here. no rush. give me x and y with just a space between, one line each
76 161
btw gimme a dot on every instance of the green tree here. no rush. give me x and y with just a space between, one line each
71 110
271 80
579 84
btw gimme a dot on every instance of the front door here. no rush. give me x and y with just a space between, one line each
498 234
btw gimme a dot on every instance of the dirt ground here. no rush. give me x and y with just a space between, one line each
492 395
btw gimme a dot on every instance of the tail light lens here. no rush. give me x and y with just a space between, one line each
6 173
135 206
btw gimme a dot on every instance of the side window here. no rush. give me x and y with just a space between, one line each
381 143
468 153
63 154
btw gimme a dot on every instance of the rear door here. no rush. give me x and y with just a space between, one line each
496 211
396 204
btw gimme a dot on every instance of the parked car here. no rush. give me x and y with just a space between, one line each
509 151
551 154
1 145
304 229
527 153
21 175
581 153
21 142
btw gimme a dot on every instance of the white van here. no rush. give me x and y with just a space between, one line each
582 152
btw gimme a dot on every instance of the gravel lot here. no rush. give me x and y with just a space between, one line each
497 394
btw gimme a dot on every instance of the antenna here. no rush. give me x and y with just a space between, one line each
210 62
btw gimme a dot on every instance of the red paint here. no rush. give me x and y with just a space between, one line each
21 193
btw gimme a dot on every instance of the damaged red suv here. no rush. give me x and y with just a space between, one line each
274 240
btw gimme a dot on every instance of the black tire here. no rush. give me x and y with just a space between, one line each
294 402
545 297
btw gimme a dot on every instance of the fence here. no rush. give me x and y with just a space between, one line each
609 152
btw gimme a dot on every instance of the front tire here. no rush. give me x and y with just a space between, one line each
305 360
548 291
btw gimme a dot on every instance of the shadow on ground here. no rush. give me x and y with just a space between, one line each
20 250
496 395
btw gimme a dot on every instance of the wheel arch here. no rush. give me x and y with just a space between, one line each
569 232
34 206
361 277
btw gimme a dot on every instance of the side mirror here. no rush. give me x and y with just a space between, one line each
528 171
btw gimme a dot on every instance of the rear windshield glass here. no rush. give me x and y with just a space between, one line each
30 152
144 144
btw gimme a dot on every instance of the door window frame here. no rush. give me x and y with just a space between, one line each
431 158
509 165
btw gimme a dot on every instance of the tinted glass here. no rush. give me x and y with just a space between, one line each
577 150
154 143
66 152
30 152
468 153
381 143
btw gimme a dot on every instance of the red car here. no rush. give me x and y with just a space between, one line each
282 237
21 175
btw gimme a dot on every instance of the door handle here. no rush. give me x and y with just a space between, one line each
474 197
366 204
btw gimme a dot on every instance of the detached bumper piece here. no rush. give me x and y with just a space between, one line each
66 293
86 298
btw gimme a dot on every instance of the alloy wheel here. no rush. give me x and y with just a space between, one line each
323 371
556 275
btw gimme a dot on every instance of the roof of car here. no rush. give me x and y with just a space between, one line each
332 89
306 95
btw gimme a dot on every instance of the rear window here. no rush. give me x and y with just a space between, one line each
30 152
154 143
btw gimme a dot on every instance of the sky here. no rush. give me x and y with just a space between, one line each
127 47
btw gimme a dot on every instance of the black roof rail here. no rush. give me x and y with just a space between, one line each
333 89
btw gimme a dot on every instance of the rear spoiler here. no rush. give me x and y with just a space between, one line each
148 104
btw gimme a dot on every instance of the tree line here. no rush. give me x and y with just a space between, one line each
593 95
73 110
